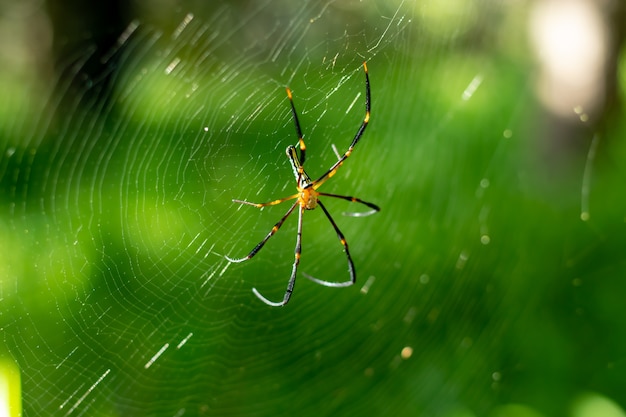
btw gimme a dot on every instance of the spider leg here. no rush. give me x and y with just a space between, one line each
298 129
374 207
344 243
357 137
269 203
294 268
258 247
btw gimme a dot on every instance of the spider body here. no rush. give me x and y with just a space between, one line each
308 198
307 195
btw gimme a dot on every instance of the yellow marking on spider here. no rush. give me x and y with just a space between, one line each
308 198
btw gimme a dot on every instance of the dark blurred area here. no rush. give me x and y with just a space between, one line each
80 24
77 26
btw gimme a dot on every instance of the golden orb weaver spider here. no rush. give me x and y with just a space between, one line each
307 198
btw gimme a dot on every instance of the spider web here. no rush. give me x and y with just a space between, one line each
117 212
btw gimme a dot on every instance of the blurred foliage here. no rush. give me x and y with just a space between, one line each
481 290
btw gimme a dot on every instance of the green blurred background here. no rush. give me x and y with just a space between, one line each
491 283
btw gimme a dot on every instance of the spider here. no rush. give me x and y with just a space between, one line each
308 198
